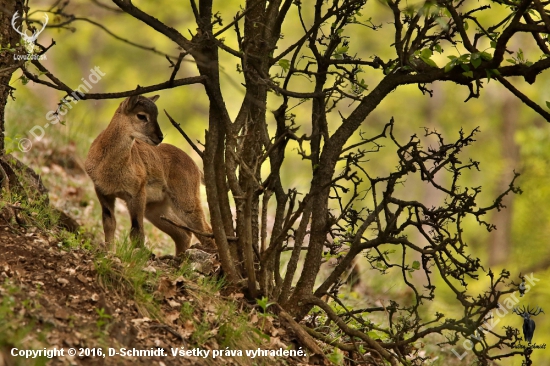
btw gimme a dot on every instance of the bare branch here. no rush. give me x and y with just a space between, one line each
178 127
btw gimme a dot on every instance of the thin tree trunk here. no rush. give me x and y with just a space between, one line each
501 239
320 194
7 63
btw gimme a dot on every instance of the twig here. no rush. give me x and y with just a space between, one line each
237 18
177 66
196 232
343 346
101 5
302 335
58 85
524 98
330 341
195 11
177 126
168 329
19 208
117 37
351 331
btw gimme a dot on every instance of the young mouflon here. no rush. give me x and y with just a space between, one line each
128 161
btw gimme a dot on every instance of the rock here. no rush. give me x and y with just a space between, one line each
149 269
61 314
203 262
81 278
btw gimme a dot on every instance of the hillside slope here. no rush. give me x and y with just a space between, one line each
57 290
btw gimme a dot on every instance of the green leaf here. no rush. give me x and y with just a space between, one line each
438 48
449 66
469 74
548 105
465 67
363 85
511 60
476 62
373 335
341 50
426 53
442 22
464 58
285 64
429 62
263 303
488 73
486 56
493 44
261 334
416 265
466 26
336 357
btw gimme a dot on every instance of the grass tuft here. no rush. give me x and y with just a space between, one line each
124 273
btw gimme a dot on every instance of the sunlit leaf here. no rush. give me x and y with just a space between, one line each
285 64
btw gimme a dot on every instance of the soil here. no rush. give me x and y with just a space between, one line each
67 303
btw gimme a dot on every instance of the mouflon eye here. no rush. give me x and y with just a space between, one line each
142 117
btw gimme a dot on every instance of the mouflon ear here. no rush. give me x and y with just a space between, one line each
154 98
129 103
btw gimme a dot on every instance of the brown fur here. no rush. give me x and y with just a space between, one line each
127 161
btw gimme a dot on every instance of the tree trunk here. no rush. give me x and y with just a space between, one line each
501 239
8 35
